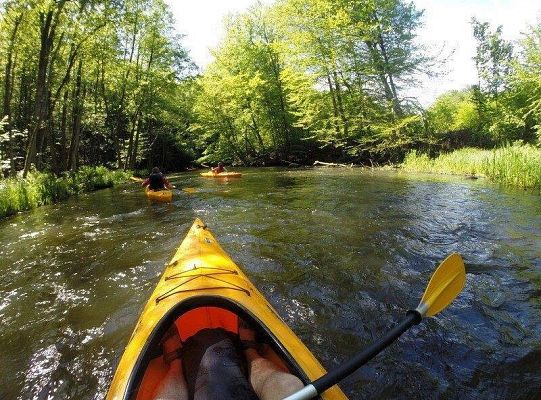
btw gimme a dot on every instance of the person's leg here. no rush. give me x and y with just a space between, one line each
269 382
173 386
215 367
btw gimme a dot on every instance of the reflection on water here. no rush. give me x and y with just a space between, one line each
341 254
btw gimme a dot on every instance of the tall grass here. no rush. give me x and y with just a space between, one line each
463 161
37 189
514 165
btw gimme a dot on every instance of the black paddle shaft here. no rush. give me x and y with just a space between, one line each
332 378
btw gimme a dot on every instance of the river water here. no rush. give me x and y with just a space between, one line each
341 254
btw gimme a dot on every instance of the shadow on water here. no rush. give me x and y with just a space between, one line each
341 254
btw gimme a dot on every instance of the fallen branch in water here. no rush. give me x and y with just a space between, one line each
291 163
325 164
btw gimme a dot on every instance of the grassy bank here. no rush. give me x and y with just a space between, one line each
514 165
37 189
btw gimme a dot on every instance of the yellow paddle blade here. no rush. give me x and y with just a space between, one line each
190 190
136 179
446 283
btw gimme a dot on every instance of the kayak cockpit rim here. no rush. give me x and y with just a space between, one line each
146 355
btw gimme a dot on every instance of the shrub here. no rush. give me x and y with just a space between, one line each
18 194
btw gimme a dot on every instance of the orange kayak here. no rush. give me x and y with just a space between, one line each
201 288
221 175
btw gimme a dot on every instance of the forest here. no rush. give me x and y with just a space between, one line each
109 83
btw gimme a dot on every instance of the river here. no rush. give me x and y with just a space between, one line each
341 254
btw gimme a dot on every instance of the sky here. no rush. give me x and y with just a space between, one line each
446 23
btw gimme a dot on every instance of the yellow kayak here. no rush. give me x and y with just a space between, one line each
203 288
221 175
159 195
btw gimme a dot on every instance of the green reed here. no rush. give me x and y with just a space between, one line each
37 189
515 165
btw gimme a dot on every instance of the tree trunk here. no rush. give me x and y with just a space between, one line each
256 131
123 94
334 105
48 23
129 156
395 101
340 104
133 156
378 63
41 89
8 92
78 99
62 156
276 68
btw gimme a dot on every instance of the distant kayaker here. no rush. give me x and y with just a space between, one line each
157 181
219 169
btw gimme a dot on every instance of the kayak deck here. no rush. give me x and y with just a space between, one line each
159 195
203 288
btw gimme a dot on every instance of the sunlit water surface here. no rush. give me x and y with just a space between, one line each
341 255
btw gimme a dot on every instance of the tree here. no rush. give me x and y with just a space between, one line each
242 111
492 59
524 100
454 120
493 62
88 80
359 56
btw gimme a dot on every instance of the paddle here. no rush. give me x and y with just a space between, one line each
446 283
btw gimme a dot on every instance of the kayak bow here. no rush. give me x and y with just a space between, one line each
203 288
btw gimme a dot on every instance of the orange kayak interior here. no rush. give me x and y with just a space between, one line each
190 319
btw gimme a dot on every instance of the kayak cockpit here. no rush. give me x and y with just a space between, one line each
190 318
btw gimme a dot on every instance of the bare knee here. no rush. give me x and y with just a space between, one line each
281 384
272 384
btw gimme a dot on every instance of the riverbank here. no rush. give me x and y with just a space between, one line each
516 165
37 189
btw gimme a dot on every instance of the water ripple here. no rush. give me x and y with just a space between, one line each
340 254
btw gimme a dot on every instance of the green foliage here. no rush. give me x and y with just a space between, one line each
98 79
38 188
498 102
516 165
306 72
513 165
88 179
492 59
469 161
504 106
388 141
111 84
241 111
454 111
525 82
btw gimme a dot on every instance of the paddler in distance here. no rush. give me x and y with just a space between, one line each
219 169
157 181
